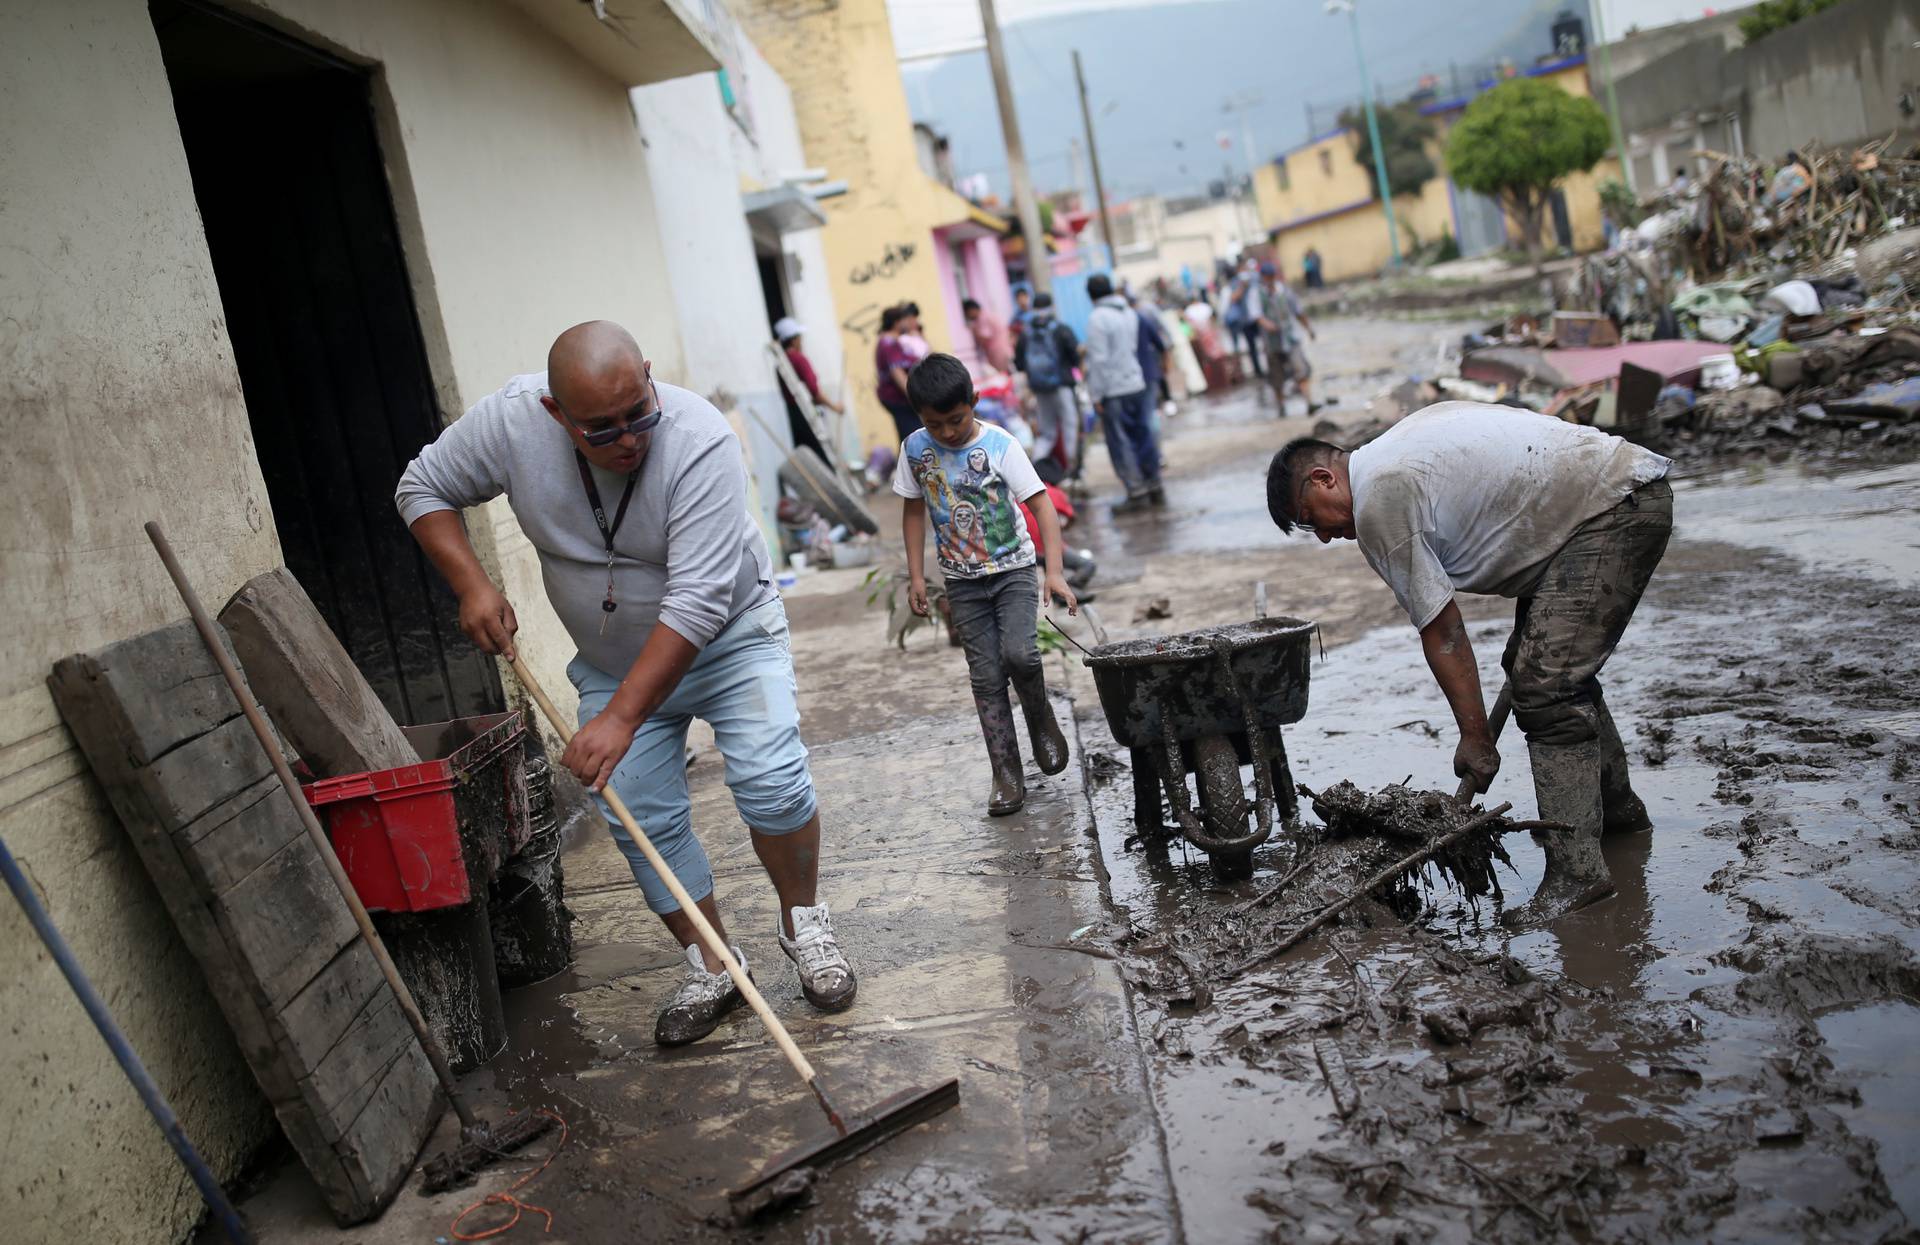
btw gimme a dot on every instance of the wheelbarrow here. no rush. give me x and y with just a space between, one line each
1206 703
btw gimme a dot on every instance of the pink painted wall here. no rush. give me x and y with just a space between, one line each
985 271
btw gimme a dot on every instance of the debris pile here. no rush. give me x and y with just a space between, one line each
1760 308
1375 858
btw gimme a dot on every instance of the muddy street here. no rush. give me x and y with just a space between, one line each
1714 1051
1721 1050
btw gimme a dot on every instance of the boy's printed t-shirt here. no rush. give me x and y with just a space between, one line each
973 497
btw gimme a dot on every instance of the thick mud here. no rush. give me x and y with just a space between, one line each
1720 1051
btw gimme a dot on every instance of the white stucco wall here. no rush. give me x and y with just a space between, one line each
776 151
523 198
713 276
121 405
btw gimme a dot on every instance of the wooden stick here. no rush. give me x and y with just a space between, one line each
708 938
1367 887
469 1122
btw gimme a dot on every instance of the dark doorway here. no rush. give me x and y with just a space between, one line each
773 287
287 171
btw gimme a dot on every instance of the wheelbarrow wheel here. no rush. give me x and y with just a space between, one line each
1223 803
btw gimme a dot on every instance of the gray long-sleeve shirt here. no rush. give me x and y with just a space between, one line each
1113 365
688 553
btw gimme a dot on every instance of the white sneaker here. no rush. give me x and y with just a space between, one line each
825 976
703 998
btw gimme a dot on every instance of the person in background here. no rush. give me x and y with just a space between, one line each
1046 355
1022 310
1310 269
1120 395
990 337
970 479
891 362
1151 350
1242 315
788 330
1281 319
910 334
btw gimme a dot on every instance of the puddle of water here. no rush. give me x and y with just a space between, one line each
1873 1046
1798 510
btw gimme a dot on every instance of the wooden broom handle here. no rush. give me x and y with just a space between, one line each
711 940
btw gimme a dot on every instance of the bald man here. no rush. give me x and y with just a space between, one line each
634 495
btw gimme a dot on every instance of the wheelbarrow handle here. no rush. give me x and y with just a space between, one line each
1496 721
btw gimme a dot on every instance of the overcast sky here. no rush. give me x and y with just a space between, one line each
934 25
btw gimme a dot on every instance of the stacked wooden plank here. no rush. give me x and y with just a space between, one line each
252 899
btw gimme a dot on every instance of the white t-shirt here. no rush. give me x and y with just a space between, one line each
1471 497
973 497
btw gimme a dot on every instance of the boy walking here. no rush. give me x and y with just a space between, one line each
973 477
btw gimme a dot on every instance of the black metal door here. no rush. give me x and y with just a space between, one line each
287 170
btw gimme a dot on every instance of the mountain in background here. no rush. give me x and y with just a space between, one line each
1159 75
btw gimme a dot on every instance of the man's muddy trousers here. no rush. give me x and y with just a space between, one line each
1565 630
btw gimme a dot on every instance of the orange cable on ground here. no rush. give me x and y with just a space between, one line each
506 1196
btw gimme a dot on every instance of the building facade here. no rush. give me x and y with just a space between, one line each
881 241
1319 197
260 253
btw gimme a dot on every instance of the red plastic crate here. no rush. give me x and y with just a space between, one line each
408 837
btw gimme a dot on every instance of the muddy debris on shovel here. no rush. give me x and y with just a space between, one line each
1376 857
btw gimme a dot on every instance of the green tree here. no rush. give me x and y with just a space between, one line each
1405 135
1518 140
1771 15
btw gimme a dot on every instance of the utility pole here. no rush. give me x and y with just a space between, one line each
1597 37
1039 266
1373 129
1093 158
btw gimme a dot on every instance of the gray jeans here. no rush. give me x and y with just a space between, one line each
995 617
1567 628
1056 427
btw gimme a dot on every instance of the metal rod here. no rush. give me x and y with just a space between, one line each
96 1008
469 1122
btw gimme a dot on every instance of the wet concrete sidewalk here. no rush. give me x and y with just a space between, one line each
962 930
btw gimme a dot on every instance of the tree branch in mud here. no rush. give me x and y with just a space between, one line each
1366 888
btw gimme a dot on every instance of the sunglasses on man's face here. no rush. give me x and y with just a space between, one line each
637 422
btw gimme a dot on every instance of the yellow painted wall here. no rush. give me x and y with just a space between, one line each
1352 235
838 61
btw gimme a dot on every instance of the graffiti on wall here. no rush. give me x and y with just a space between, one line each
891 261
863 323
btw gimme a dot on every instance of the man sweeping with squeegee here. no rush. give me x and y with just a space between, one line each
634 494
1468 497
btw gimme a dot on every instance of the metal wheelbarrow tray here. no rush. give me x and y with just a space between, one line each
1207 702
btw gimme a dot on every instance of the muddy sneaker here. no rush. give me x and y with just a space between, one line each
703 998
825 977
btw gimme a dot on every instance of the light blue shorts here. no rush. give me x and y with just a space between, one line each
741 685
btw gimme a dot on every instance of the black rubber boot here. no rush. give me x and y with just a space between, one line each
1566 784
1003 753
1621 811
1049 745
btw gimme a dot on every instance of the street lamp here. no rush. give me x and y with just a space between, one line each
1373 128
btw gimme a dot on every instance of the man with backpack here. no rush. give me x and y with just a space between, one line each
1046 354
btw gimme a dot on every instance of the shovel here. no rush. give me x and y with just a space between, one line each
851 1135
1496 721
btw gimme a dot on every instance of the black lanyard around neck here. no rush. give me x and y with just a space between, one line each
600 521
